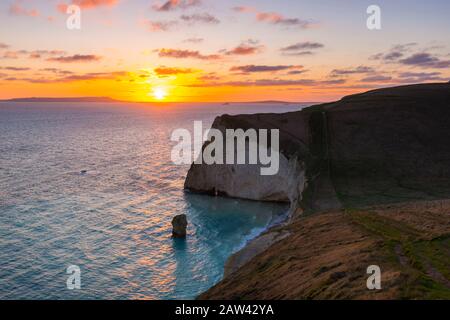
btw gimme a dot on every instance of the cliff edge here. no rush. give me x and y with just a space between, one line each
340 162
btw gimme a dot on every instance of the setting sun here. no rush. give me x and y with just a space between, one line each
159 93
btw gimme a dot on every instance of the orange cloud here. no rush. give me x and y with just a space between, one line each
246 48
275 18
184 54
166 71
17 9
87 4
11 55
156 26
264 68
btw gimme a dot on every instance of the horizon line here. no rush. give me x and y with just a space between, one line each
105 99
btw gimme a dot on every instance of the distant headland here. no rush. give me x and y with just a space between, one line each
111 100
78 99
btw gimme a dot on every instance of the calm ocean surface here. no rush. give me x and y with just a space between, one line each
114 220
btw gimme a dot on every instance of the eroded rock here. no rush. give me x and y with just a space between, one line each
179 226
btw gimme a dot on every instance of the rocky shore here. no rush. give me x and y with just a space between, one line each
365 178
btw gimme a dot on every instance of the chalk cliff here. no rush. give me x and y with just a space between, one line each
385 145
376 148
245 181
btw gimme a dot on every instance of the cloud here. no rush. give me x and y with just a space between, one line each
395 53
270 83
300 53
176 4
200 18
14 54
295 72
301 48
244 9
3 46
15 68
10 55
398 54
357 70
75 58
429 75
243 50
211 76
157 26
194 40
425 60
186 54
86 4
94 76
57 71
415 77
376 78
73 78
264 68
248 47
275 18
17 9
166 71
36 54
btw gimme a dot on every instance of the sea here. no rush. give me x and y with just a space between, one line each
92 185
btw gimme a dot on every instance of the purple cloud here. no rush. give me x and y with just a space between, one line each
263 68
301 48
275 18
377 78
75 58
176 4
425 60
357 70
200 18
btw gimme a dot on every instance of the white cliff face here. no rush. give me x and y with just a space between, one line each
246 181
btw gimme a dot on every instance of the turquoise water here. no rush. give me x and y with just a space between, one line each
113 221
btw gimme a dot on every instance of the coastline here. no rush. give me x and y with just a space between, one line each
336 179
257 243
326 255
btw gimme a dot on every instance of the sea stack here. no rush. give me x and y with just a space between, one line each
179 225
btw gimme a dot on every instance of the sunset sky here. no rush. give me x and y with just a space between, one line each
210 50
